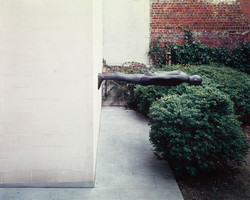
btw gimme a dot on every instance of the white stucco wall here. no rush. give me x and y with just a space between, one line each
97 68
126 31
49 103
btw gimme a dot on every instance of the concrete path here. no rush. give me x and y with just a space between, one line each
126 166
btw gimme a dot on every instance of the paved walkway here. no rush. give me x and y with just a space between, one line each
126 166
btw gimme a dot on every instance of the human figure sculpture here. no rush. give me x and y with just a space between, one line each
161 78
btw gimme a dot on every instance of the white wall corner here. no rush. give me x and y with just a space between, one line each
97 68
126 31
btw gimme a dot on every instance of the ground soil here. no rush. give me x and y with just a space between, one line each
226 184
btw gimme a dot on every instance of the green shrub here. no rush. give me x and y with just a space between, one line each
241 57
196 54
196 131
221 55
145 96
192 52
235 84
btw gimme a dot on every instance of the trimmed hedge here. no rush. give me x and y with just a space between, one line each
145 96
196 131
234 83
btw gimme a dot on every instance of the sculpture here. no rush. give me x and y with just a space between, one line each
161 78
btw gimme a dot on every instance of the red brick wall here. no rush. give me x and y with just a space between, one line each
215 24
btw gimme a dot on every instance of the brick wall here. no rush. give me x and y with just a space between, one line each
214 22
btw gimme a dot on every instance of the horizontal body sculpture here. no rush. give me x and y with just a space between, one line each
172 78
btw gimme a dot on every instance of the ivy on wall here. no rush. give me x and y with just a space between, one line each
192 52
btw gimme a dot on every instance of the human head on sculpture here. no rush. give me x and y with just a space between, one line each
195 80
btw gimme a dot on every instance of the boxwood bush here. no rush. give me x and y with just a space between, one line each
234 83
145 96
196 131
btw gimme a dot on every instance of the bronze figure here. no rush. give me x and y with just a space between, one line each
161 78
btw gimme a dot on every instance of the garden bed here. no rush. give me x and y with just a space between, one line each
230 184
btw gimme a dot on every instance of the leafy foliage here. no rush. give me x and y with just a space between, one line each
241 58
194 127
145 96
232 82
157 53
196 131
235 84
192 52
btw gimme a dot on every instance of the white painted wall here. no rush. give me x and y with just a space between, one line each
97 68
126 31
49 103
